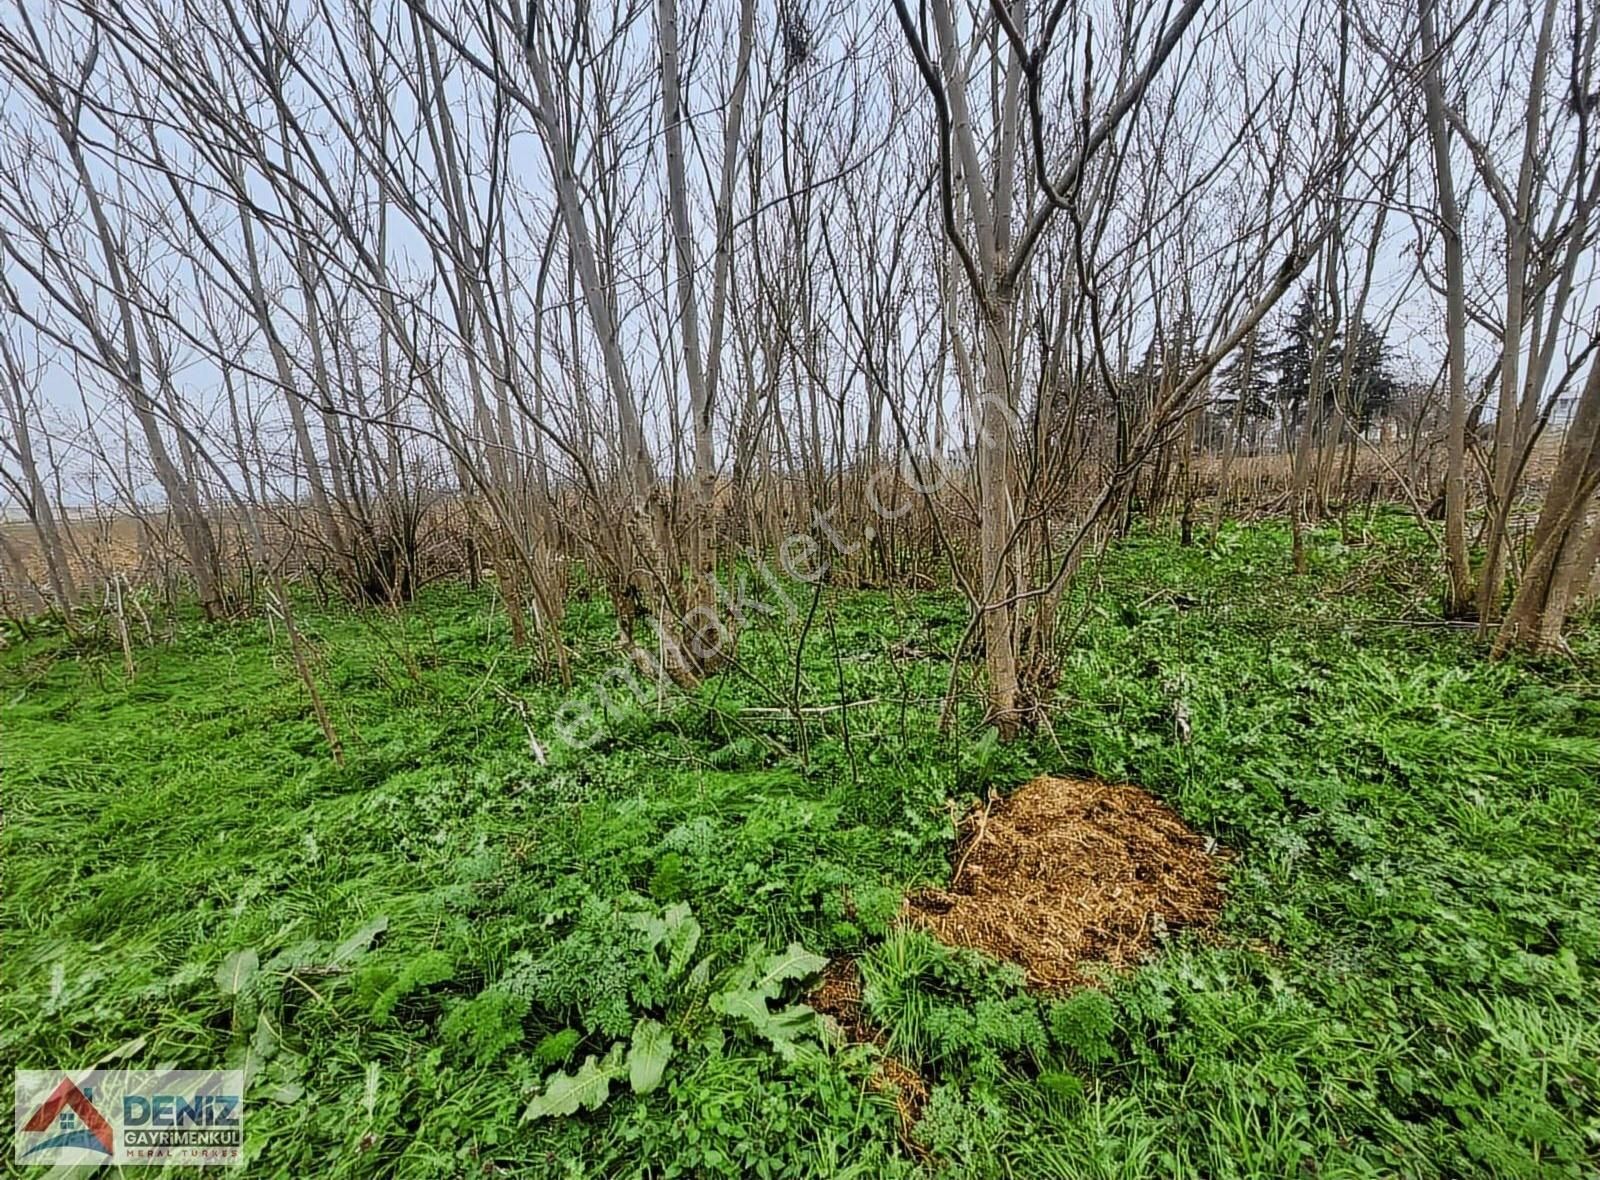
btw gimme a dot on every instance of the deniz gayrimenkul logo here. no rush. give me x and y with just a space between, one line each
130 1116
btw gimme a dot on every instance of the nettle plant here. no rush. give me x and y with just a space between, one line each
638 976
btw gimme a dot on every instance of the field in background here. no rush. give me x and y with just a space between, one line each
404 949
148 553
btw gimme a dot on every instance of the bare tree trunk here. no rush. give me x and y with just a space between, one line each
1457 567
293 401
702 554
995 525
36 496
1247 360
1508 430
1561 537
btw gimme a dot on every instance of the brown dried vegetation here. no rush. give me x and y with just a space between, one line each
1067 872
838 996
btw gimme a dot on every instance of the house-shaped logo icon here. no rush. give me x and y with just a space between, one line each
77 1123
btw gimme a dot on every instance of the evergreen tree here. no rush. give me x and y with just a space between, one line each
1290 362
1286 370
1372 385
1252 383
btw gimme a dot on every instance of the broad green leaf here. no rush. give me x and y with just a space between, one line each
701 975
648 1055
126 1049
743 1004
264 1042
302 955
281 1081
242 1056
237 970
676 931
783 1028
754 986
786 1027
794 963
683 936
653 928
356 945
588 1088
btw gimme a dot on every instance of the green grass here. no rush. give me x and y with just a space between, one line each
1407 981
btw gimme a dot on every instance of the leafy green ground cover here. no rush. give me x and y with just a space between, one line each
414 951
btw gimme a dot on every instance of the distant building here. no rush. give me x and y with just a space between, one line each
1562 411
